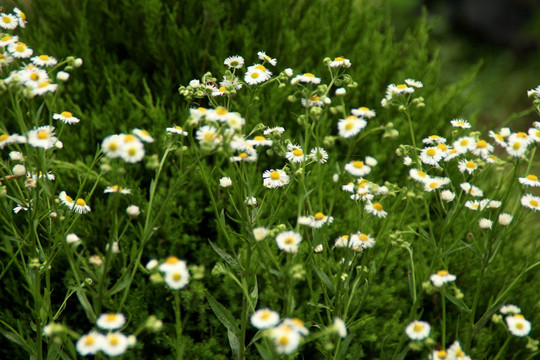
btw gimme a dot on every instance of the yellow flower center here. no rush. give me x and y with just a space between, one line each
113 146
221 111
518 316
431 152
421 173
243 155
34 76
363 183
471 164
260 67
418 328
309 75
442 354
113 340
44 57
254 75
222 88
533 203
265 315
42 135
132 151
339 58
442 147
314 98
401 86
521 135
22 15
532 177
464 142
363 108
259 138
110 317
297 322
274 175
178 128
6 19
284 340
319 216
81 202
434 185
2 56
519 326
69 199
89 341
481 144
442 272
201 109
349 126
364 237
208 135
377 206
345 236
358 164
4 137
499 137
516 146
66 114
129 138
20 47
176 276
298 152
171 260
289 240
5 38
43 84
460 353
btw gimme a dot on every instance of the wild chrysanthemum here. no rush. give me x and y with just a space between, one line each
43 87
42 137
363 112
208 137
505 219
340 62
485 223
8 21
21 17
483 149
248 155
172 263
177 278
112 145
111 321
7 39
319 155
257 74
19 50
456 352
316 221
340 327
376 209
464 144
275 178
66 117
442 277
516 148
350 126
176 130
31 77
439 355
530 201
260 233
315 100
447 195
414 83
260 141
264 318
518 325
295 153
307 78
534 134
44 60
90 344
132 152
461 123
262 56
276 131
143 135
225 182
434 139
115 189
114 344
467 165
471 189
365 240
288 241
419 175
296 325
418 330
357 168
285 339
510 309
80 206
435 183
530 180
234 62
431 155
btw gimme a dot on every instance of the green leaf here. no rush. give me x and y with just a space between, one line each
325 280
87 307
234 343
14 337
263 352
224 316
225 256
121 284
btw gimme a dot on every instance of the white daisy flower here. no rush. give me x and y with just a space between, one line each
464 144
483 149
8 21
112 145
178 278
21 17
42 137
44 60
248 155
111 321
275 178
8 39
80 206
442 277
250 201
530 201
467 165
357 168
262 56
434 139
456 352
132 151
66 117
285 339
32 77
43 87
296 325
172 263
288 241
115 189
143 135
516 148
234 62
19 49
461 123
518 325
363 112
418 330
197 114
510 309
505 219
485 223
376 209
317 221
414 83
431 156
439 355
447 195
260 141
520 136
340 327
277 131
419 175
264 318
340 62
176 130
90 344
225 182
365 240
295 154
257 74
350 126
394 89
529 180
314 100
307 78
435 183
471 189
499 139
534 134
114 344
260 233
319 155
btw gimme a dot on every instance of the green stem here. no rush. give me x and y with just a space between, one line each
443 317
178 326
501 350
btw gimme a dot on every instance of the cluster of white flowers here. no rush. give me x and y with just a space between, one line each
357 241
175 272
128 147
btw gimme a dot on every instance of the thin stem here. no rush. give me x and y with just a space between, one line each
178 326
